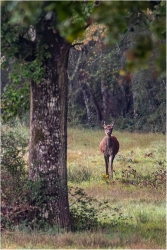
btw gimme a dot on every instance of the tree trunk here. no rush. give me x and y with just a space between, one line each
128 100
87 102
96 105
48 130
105 98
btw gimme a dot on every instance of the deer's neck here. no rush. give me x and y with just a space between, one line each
109 141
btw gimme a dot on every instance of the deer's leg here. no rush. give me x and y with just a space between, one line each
111 164
106 158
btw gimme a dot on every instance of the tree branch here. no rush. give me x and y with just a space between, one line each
76 67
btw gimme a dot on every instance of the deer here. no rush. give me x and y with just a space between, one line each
109 146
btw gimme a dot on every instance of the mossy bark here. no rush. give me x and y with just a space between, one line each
48 130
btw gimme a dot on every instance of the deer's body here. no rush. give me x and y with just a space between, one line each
109 146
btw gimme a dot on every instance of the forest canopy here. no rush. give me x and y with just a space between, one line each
120 69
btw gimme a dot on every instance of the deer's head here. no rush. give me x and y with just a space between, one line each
108 128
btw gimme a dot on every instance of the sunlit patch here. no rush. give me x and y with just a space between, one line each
105 176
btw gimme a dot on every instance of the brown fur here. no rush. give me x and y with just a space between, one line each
115 144
109 146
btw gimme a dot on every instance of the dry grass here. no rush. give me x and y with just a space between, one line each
98 240
143 208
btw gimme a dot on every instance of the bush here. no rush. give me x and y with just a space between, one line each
88 213
13 175
22 200
13 165
84 215
155 179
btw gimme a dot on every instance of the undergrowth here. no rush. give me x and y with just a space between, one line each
132 205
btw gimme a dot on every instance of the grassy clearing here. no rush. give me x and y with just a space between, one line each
22 240
143 152
134 215
139 198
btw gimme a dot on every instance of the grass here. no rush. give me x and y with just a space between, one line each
22 240
135 217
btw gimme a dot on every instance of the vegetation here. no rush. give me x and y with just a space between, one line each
126 212
115 71
101 88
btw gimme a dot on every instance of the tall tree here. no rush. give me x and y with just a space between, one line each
42 54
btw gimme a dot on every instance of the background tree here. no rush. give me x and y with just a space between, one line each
114 86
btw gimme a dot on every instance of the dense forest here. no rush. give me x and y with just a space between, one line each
100 89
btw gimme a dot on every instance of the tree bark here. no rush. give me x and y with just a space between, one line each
87 102
105 98
96 105
48 130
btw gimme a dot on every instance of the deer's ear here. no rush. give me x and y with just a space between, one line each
112 124
103 124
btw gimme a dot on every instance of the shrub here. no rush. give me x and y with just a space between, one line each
22 199
155 179
84 215
13 175
88 213
13 165
14 148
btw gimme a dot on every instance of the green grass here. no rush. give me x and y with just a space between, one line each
136 212
140 199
